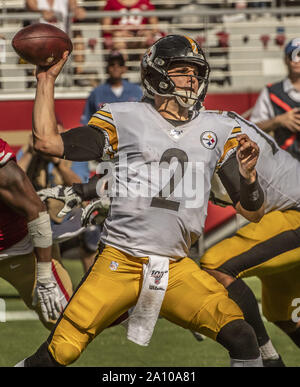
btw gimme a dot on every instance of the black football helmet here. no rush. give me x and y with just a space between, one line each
160 56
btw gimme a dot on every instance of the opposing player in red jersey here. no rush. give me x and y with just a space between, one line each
130 26
26 244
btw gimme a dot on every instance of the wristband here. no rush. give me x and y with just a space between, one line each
251 195
87 191
40 231
43 271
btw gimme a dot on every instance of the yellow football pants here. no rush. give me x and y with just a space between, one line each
193 300
269 250
20 272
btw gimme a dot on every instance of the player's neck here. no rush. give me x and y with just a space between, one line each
170 109
115 82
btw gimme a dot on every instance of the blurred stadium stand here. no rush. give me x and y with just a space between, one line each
244 46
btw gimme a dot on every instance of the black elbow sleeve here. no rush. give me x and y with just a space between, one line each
251 195
87 191
230 178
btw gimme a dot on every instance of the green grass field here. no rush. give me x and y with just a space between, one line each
170 345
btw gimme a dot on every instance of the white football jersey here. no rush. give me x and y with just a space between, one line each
278 171
162 174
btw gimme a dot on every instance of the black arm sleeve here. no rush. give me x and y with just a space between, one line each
87 191
251 196
230 177
84 143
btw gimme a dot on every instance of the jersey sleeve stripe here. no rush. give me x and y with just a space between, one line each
103 115
230 144
236 130
106 125
101 122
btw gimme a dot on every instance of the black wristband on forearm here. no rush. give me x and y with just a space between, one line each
251 195
88 190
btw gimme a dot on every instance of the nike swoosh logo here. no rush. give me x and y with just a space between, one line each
14 266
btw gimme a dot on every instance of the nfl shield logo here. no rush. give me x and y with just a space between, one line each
208 140
113 265
157 275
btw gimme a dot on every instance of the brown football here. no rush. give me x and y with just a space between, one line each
41 44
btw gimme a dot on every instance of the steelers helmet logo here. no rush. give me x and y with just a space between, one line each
208 140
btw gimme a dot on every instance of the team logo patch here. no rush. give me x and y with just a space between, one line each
208 140
113 265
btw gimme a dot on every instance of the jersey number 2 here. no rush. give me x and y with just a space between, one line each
160 201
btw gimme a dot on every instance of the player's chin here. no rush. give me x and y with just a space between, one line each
296 68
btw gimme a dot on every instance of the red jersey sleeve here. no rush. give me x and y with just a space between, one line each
6 153
109 6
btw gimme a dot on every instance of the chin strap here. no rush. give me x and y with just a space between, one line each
191 98
190 102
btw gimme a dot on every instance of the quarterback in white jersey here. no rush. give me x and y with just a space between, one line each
267 249
140 150
161 156
197 146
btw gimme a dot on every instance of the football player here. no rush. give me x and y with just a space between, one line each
26 244
154 216
268 250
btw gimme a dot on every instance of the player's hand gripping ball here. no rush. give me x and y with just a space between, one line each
41 44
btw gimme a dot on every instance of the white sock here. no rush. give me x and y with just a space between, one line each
20 364
267 351
246 363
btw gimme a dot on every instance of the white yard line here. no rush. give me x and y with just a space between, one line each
27 315
21 315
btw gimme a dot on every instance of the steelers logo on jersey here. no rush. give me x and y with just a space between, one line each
208 140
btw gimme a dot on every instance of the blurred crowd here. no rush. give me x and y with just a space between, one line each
132 33
120 34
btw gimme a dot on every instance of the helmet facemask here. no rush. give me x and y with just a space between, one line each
156 80
188 97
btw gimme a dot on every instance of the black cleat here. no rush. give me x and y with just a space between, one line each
273 362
